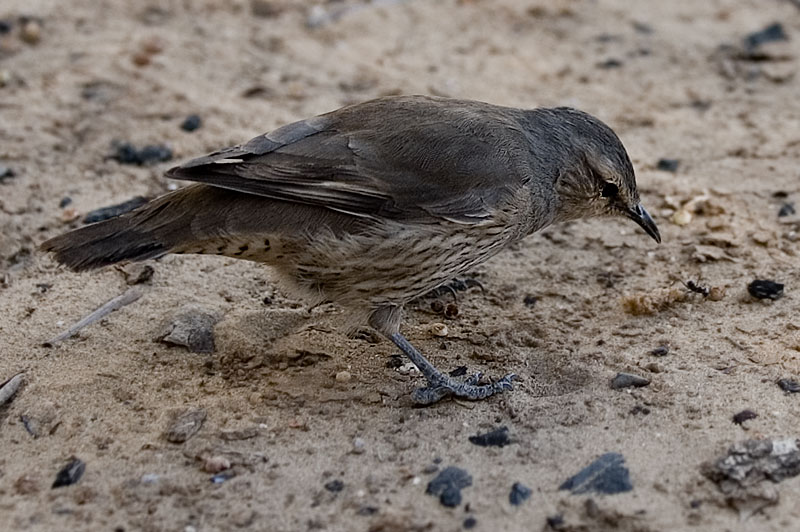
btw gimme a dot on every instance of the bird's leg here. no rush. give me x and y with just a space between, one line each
441 385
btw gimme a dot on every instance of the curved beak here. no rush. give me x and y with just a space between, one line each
639 215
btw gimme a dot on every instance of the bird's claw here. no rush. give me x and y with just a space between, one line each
469 389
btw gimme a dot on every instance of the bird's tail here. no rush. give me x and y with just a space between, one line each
148 232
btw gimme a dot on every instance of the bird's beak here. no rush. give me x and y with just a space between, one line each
639 215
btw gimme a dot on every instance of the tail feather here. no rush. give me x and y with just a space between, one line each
105 243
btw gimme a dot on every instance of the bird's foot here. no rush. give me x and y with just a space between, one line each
441 385
468 389
453 287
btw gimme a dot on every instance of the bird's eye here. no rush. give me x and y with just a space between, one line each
610 190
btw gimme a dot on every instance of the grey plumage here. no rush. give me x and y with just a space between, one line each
375 204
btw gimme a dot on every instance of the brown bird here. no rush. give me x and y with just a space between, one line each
376 204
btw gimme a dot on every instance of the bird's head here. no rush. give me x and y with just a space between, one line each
597 177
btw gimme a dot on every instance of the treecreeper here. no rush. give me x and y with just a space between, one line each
375 204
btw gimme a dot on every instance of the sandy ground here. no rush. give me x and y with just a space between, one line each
275 410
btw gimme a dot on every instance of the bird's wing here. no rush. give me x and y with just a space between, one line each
401 158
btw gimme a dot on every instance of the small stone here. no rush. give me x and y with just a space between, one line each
765 289
627 380
334 486
137 273
660 351
787 209
265 8
496 438
448 484
26 485
238 435
193 328
69 215
191 123
70 473
607 475
530 301
789 385
668 165
438 329
773 32
65 201
219 478
149 478
343 376
5 172
367 510
744 415
610 63
359 446
127 153
681 217
716 293
215 464
470 522
31 31
112 211
519 494
185 425
555 521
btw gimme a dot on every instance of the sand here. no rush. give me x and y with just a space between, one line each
292 404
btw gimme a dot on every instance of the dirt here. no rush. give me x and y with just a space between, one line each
299 426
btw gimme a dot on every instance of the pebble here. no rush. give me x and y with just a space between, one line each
765 289
219 478
787 209
334 486
343 376
216 464
31 31
238 435
65 201
773 32
668 165
519 494
5 173
607 475
112 211
789 385
470 522
149 478
359 446
438 329
70 473
192 327
127 153
627 380
185 425
137 273
744 415
448 484
660 351
191 123
530 301
495 438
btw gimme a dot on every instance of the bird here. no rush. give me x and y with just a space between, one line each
377 203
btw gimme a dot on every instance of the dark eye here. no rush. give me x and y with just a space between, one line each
610 190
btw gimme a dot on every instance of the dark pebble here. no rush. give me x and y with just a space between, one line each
395 361
765 289
639 409
607 475
668 165
66 200
367 510
192 327
660 351
448 485
743 416
530 300
789 385
609 63
334 486
643 28
5 26
112 211
626 380
555 521
519 494
496 438
470 522
191 123
695 504
773 32
5 173
460 371
70 473
787 209
127 153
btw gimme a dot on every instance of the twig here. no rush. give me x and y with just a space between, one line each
118 302
10 387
